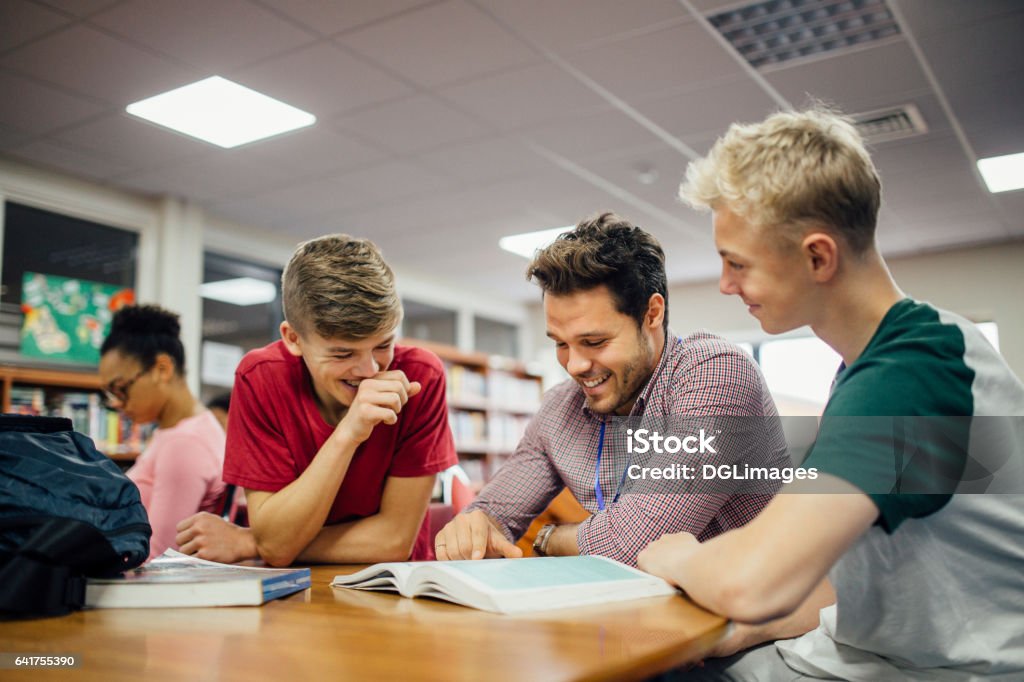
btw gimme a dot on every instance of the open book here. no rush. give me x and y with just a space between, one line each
512 585
174 579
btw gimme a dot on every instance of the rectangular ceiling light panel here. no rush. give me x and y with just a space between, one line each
221 112
240 291
527 243
1003 173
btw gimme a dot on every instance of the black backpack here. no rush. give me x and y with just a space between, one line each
66 513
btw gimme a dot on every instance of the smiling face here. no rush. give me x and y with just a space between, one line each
603 350
337 366
766 271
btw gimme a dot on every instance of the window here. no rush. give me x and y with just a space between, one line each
496 338
236 319
428 323
799 373
79 251
990 330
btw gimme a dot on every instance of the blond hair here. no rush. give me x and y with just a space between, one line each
340 287
794 170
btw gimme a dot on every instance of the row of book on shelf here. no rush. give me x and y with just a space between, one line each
495 388
112 432
487 432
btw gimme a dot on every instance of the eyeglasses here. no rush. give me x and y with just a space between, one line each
120 392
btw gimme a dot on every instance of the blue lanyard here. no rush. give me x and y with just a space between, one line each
597 468
597 474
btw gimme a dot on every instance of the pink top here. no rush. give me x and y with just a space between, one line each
179 474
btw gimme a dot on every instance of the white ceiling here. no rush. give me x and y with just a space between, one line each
445 124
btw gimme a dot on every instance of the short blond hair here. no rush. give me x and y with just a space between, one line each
793 170
340 287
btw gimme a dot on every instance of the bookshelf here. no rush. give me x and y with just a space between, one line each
490 401
75 395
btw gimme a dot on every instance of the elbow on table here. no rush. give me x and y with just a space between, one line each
399 549
277 557
746 601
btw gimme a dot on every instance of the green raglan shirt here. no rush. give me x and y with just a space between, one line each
898 421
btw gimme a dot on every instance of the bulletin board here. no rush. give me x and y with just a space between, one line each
67 319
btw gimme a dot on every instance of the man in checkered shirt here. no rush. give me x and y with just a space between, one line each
606 307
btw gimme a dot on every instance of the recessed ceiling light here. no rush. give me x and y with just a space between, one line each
221 112
1003 173
240 291
527 243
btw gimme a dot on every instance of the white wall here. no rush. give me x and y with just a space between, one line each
984 283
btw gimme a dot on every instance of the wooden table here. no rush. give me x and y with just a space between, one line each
327 633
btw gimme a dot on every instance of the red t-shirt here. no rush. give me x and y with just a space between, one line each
275 430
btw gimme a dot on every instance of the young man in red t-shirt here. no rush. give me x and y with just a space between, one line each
336 433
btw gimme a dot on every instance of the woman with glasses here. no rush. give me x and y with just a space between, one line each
142 369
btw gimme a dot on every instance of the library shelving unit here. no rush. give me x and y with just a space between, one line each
490 402
74 394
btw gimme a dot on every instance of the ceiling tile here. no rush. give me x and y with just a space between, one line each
40 108
23 21
440 44
79 8
653 175
332 16
683 55
707 110
919 155
855 81
486 161
568 24
989 50
589 135
411 125
9 137
133 142
713 6
60 157
84 60
210 36
314 152
385 183
246 212
937 196
1012 204
322 79
513 99
927 17
212 177
991 115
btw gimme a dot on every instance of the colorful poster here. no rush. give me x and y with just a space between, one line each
67 319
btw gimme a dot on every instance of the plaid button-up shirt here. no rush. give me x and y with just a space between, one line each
701 375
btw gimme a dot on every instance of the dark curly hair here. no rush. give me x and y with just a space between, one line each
605 249
145 331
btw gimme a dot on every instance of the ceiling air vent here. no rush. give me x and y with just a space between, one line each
895 123
778 31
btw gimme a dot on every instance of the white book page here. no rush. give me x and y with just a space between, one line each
392 576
